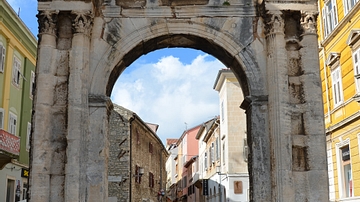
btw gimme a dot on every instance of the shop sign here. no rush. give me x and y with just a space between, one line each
24 173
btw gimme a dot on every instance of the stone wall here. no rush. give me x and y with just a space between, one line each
119 154
129 140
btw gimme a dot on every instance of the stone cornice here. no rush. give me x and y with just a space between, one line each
342 123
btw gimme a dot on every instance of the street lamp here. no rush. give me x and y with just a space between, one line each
218 171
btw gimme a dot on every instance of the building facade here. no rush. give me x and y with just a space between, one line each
233 138
208 182
171 174
339 52
17 76
136 159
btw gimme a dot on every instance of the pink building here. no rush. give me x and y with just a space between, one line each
188 149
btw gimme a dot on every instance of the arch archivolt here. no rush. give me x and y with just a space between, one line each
112 58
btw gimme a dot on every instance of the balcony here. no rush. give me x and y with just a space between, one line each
9 147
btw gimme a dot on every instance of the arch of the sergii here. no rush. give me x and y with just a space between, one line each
271 48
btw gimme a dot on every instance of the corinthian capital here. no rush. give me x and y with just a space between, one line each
276 24
47 22
82 22
308 22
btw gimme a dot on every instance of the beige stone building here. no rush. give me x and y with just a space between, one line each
233 168
136 159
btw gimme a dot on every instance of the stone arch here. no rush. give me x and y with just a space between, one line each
239 57
76 71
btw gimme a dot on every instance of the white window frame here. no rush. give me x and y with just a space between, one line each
16 75
2 57
2 118
32 84
212 154
12 123
222 111
338 146
337 88
330 172
356 62
348 5
28 133
205 161
330 18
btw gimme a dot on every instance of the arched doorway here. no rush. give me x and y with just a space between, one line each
85 45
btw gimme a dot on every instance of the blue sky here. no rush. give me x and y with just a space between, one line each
169 87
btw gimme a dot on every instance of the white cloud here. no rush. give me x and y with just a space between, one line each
170 93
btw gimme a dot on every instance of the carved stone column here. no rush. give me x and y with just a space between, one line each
259 146
278 109
96 170
46 169
313 120
78 114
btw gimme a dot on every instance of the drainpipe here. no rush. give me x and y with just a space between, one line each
130 163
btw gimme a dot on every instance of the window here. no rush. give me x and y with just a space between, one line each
356 60
347 185
137 174
28 132
151 148
205 161
337 86
223 153
32 84
1 118
329 14
217 149
2 57
212 153
151 180
246 150
184 183
16 71
222 111
137 136
12 123
348 5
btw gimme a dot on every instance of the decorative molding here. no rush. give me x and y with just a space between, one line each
332 58
347 120
354 37
342 143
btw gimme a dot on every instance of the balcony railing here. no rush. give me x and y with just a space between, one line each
9 143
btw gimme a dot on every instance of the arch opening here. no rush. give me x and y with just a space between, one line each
182 41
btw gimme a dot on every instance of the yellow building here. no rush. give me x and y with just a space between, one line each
339 52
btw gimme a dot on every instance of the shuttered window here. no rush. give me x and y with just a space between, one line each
2 57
